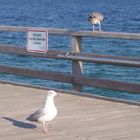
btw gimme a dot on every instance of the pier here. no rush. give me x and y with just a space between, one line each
81 116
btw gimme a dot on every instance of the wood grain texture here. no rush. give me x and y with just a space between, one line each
76 79
77 66
79 118
135 36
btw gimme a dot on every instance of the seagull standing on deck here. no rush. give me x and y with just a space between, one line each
47 113
96 18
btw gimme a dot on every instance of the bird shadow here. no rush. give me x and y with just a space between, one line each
20 123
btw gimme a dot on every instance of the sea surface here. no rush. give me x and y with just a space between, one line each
119 16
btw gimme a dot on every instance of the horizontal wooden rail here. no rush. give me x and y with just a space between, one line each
55 53
109 84
22 51
68 78
126 63
85 57
120 35
54 76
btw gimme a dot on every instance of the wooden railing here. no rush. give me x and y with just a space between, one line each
77 79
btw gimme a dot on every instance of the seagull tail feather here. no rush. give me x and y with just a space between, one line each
31 118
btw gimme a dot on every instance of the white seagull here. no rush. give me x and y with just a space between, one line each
96 18
47 113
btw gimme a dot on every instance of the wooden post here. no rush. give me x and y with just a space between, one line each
77 66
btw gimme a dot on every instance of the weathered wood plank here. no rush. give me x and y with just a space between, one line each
55 76
22 51
88 118
125 63
120 35
84 57
73 79
109 84
77 67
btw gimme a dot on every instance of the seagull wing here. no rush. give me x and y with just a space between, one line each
34 116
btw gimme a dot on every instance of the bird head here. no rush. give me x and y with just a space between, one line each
89 18
52 93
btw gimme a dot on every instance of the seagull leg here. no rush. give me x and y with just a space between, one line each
93 27
44 127
100 27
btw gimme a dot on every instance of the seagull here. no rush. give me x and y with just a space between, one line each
96 18
46 113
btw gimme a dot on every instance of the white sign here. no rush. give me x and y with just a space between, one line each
37 41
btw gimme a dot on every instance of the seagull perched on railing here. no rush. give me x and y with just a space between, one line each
47 113
96 18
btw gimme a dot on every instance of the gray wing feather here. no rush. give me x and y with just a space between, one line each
34 116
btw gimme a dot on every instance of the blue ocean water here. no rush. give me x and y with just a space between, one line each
119 16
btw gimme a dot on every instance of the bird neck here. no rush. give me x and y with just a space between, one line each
49 102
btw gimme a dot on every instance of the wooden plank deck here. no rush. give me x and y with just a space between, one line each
79 118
